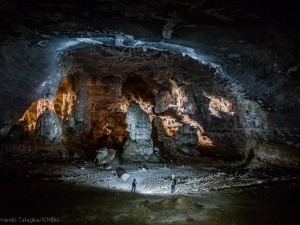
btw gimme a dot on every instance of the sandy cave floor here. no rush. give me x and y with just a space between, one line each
77 192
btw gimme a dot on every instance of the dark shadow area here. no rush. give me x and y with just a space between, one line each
41 196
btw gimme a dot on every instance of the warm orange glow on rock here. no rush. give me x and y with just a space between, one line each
29 118
65 99
188 114
170 125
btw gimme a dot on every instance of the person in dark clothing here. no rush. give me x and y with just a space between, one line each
134 183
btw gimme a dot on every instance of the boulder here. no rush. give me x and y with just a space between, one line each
105 156
122 174
107 166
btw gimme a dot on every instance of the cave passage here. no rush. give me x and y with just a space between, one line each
196 110
187 116
95 94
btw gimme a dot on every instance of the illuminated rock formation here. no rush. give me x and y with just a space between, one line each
49 127
140 145
105 156
212 83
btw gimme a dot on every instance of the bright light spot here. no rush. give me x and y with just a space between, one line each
66 44
45 82
90 40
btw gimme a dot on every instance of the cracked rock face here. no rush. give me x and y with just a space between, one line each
214 79
140 144
49 126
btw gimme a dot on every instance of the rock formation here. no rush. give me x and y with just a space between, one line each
140 144
122 174
105 156
211 79
49 127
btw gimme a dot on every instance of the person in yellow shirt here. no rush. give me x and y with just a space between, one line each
173 183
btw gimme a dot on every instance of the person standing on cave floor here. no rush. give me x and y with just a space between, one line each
134 183
173 183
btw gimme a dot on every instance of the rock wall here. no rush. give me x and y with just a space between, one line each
192 112
253 48
77 117
277 154
15 143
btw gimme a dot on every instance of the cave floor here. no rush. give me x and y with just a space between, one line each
76 192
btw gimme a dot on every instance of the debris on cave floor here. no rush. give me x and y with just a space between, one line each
153 178
203 196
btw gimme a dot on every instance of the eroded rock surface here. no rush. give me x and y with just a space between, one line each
122 174
49 126
140 145
105 156
215 79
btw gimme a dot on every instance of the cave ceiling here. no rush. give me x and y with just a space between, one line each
235 62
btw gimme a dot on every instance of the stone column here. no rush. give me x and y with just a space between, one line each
140 145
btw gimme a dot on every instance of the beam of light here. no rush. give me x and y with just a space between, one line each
66 43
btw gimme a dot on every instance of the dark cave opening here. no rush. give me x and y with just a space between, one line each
110 141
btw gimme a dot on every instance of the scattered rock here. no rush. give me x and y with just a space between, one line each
107 166
125 176
143 167
122 174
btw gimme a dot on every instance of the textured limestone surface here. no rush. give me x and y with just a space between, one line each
49 126
216 79
105 156
140 145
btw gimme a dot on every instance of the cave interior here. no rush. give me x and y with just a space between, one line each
210 84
